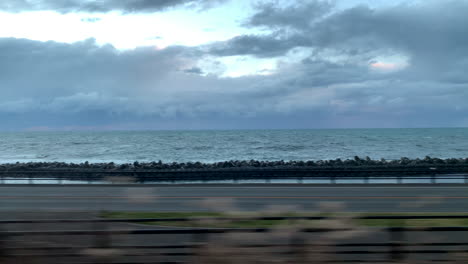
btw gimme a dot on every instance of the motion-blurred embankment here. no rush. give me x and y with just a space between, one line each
324 238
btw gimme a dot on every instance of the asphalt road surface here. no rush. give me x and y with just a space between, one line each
355 198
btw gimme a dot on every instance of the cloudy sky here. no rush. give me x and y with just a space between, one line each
223 64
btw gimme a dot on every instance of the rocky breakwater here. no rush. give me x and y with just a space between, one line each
241 169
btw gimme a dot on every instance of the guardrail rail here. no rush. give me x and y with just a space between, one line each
366 174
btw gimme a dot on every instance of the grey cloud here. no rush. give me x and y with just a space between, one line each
413 29
53 78
55 74
194 70
343 44
436 46
103 6
295 15
82 84
260 46
59 68
49 84
85 84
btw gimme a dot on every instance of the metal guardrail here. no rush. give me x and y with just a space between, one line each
299 175
422 179
397 248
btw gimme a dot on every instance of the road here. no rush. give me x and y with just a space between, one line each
354 198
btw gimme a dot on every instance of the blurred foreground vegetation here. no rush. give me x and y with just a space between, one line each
199 221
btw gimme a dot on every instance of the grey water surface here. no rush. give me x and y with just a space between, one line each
213 146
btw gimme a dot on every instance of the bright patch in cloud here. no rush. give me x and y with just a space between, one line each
384 66
387 66
389 63
128 31
237 66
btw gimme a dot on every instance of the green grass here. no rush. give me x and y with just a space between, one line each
272 223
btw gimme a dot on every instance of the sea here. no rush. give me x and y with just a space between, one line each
222 145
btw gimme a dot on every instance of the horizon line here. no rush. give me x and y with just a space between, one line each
215 129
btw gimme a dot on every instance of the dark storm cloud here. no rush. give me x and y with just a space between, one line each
103 6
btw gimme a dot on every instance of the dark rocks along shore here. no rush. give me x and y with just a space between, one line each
355 163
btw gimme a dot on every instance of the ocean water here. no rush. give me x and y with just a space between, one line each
212 146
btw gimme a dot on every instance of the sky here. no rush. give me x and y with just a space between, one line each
232 64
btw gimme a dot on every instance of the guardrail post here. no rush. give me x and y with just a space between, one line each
138 178
102 240
366 179
30 181
3 251
298 249
396 240
102 251
433 178
200 238
466 178
399 180
333 179
199 241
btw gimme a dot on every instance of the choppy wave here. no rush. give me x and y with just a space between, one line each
215 146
